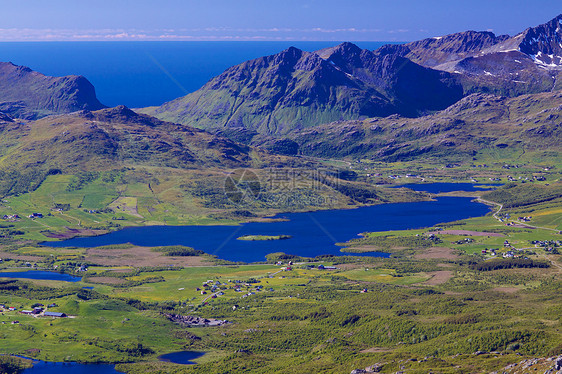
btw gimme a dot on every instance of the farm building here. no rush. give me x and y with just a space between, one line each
54 314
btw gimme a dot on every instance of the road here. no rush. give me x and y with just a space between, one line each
517 222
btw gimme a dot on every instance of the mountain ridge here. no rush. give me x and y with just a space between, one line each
463 132
295 89
529 62
444 48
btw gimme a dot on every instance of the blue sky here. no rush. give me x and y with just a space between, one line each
329 20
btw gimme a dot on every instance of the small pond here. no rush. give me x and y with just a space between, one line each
43 367
183 357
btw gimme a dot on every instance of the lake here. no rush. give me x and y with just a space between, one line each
39 274
313 233
140 74
182 358
42 367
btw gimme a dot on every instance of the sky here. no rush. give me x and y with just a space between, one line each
306 20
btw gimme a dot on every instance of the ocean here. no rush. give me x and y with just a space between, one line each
140 74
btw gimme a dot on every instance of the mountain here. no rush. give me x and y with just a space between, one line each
474 128
296 89
543 44
184 168
529 62
27 94
107 139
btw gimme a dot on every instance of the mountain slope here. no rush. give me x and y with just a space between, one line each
171 172
476 125
105 140
296 89
117 135
27 94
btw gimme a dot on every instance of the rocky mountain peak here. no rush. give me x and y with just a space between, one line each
297 89
346 49
544 42
439 50
288 57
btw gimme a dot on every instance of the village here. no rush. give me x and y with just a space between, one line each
36 310
249 287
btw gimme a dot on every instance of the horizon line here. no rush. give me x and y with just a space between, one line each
201 40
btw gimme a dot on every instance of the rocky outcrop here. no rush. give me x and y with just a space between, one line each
194 321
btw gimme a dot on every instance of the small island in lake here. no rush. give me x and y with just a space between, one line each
264 237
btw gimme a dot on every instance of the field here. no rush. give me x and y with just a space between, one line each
356 315
264 237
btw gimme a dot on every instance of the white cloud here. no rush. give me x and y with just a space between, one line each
209 33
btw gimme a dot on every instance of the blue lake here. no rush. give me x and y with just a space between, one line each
42 367
313 233
38 274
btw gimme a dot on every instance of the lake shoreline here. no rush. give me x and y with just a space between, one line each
312 233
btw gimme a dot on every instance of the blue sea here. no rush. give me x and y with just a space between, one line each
140 74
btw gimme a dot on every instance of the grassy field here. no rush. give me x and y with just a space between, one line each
264 237
361 313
